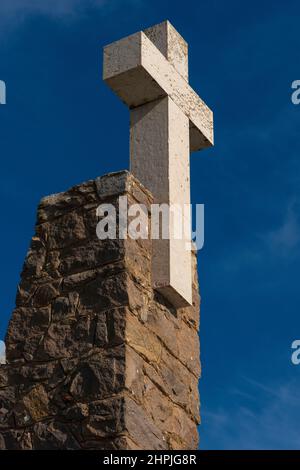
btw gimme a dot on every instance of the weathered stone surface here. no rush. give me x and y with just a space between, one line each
174 422
139 73
172 332
78 412
53 436
3 376
142 429
36 258
68 339
16 440
91 255
26 331
95 358
107 418
50 374
122 182
8 397
172 46
37 403
110 329
63 231
57 205
168 120
99 376
168 374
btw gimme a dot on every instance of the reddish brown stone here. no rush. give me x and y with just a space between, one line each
96 358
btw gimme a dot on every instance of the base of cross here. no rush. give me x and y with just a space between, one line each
96 358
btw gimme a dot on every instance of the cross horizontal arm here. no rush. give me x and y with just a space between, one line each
139 73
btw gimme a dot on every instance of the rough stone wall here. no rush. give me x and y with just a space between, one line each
95 358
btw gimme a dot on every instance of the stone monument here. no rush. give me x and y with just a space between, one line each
168 120
102 349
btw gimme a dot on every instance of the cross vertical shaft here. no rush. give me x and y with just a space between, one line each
161 163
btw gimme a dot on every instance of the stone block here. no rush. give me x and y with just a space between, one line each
96 359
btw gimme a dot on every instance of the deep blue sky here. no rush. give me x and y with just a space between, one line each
62 126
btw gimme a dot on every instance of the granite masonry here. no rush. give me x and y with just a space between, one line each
97 359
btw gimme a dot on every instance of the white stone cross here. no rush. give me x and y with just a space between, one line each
168 120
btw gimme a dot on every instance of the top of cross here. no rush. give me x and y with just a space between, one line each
152 64
172 46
